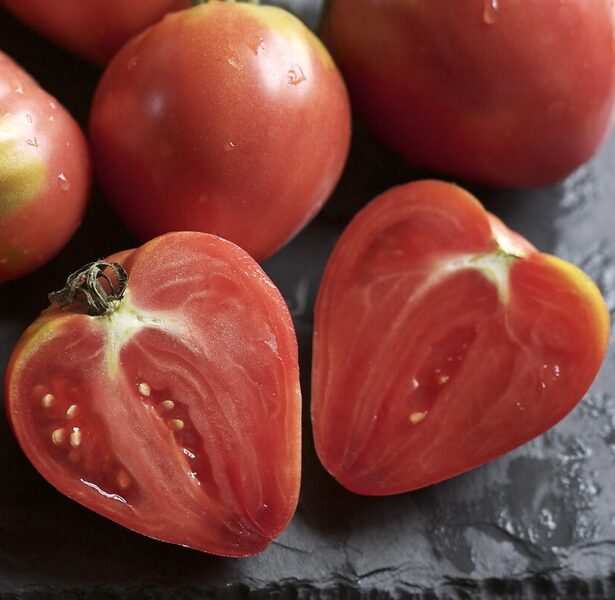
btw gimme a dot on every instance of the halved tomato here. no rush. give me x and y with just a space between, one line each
443 340
173 407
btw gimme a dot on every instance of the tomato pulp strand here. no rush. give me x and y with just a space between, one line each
436 350
176 414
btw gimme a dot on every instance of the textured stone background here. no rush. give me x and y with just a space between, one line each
539 522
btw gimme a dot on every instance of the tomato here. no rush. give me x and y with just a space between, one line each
44 173
479 89
443 340
173 408
228 118
96 30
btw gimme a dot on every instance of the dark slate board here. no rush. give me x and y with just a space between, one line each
539 522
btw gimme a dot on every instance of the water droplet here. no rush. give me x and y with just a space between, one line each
258 47
296 75
52 105
63 182
490 11
133 62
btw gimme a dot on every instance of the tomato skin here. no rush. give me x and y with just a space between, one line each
493 96
186 399
92 29
45 173
227 118
423 368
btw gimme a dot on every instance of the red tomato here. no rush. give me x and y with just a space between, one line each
44 173
443 340
509 93
176 412
95 29
227 118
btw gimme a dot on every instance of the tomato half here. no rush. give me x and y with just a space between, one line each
228 118
176 412
44 173
508 93
443 340
93 29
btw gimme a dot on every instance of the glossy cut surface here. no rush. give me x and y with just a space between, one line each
178 414
482 90
44 173
443 340
93 29
228 118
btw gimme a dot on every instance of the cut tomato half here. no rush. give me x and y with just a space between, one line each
443 340
176 412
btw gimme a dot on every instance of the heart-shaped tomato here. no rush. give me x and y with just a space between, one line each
443 340
175 413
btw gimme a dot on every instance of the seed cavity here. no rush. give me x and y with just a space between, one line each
47 400
175 424
167 405
144 389
75 437
417 417
71 411
58 437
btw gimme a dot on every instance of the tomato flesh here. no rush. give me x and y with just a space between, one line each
177 414
434 350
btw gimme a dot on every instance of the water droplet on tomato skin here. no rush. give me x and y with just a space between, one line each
490 11
296 75
63 182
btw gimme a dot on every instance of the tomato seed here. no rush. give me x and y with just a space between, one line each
167 405
75 438
175 424
417 417
71 411
47 400
123 480
144 389
58 437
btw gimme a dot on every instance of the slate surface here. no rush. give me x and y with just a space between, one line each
537 523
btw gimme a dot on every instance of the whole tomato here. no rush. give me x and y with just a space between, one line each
165 395
44 173
508 93
443 340
228 118
94 29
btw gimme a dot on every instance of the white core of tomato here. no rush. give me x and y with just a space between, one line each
495 267
126 321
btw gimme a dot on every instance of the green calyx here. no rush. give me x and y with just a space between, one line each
92 289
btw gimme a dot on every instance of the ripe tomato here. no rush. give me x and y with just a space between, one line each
228 118
44 173
175 412
96 30
482 90
443 340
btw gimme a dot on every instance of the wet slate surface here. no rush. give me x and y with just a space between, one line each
539 522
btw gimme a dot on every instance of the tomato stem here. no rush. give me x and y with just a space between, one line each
91 290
